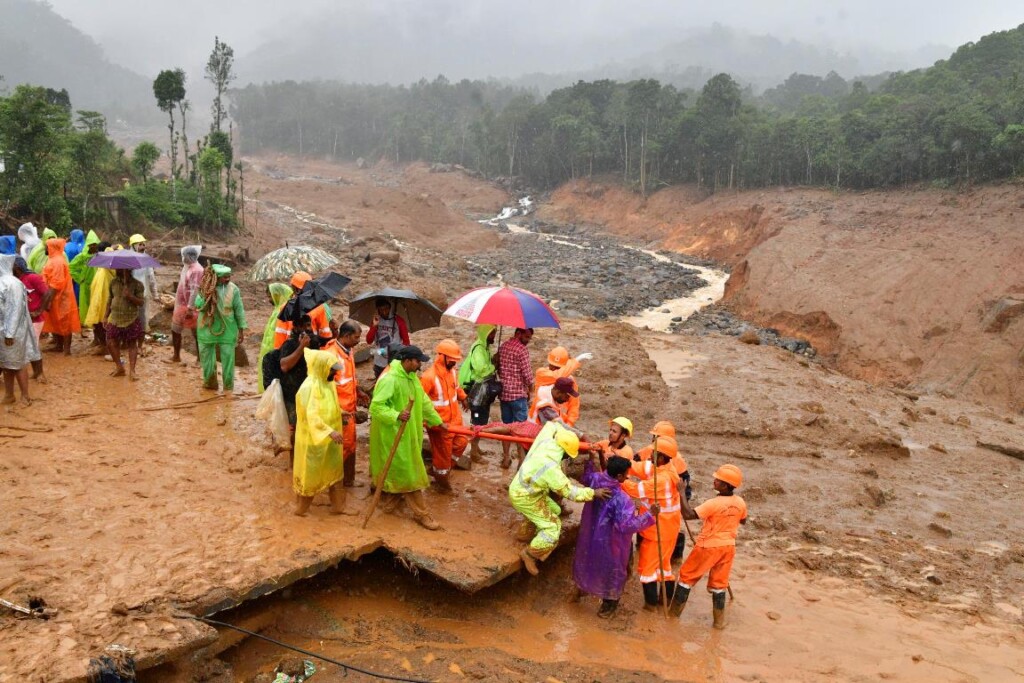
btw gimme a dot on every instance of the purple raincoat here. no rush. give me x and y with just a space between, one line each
601 564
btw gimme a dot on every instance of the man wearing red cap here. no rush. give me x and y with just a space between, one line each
553 403
715 547
319 317
442 387
560 365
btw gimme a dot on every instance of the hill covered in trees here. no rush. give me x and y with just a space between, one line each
41 48
961 120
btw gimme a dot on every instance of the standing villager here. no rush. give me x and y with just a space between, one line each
654 564
291 368
39 255
407 476
560 365
147 276
185 317
82 273
477 370
221 325
605 541
350 395
8 245
516 376
74 247
124 326
18 345
99 302
715 547
29 237
62 319
442 386
529 492
278 293
317 463
39 298
387 327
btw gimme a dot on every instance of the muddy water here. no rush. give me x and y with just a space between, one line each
781 628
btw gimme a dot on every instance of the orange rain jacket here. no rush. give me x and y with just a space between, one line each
570 410
320 326
670 519
62 316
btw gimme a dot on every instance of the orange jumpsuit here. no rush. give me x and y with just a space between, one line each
442 386
320 325
670 518
347 385
715 547
624 452
546 377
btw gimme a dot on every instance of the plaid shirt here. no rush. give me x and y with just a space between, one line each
514 368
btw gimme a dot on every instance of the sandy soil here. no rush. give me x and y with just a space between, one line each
877 521
920 289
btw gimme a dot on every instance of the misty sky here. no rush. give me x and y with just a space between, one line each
148 36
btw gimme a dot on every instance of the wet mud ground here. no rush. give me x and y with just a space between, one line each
883 543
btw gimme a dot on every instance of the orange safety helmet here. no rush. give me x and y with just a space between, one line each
448 347
730 474
665 429
667 446
558 356
299 279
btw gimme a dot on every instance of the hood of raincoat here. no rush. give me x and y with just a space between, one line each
279 294
482 331
55 246
8 244
318 363
190 254
49 234
6 265
77 237
92 238
28 234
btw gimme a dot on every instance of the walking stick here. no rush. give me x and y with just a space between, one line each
657 530
387 466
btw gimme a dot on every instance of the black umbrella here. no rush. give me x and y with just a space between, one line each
315 292
419 313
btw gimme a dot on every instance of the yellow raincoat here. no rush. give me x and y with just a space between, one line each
318 460
99 296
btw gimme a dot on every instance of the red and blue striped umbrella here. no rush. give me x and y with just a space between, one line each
508 306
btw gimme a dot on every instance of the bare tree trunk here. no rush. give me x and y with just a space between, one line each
299 124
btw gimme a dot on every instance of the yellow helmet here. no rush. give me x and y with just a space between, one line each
625 423
135 239
568 442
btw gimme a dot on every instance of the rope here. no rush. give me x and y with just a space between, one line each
345 667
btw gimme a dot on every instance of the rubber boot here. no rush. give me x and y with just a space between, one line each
650 595
682 594
718 609
607 608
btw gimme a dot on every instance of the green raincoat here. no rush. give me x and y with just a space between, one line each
279 294
540 474
220 330
318 463
83 273
37 257
478 364
390 397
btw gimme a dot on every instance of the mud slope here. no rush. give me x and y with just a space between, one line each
923 289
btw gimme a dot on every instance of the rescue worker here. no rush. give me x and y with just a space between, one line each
559 365
448 398
619 429
715 548
666 429
390 406
320 317
350 395
654 564
540 475
479 367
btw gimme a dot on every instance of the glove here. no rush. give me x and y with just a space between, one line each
584 356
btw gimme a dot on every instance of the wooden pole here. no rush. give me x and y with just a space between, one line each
387 466
657 529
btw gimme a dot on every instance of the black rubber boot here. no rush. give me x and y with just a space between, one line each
718 609
607 608
670 590
682 594
650 593
677 551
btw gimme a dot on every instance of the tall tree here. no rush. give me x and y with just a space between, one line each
169 89
218 72
145 156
